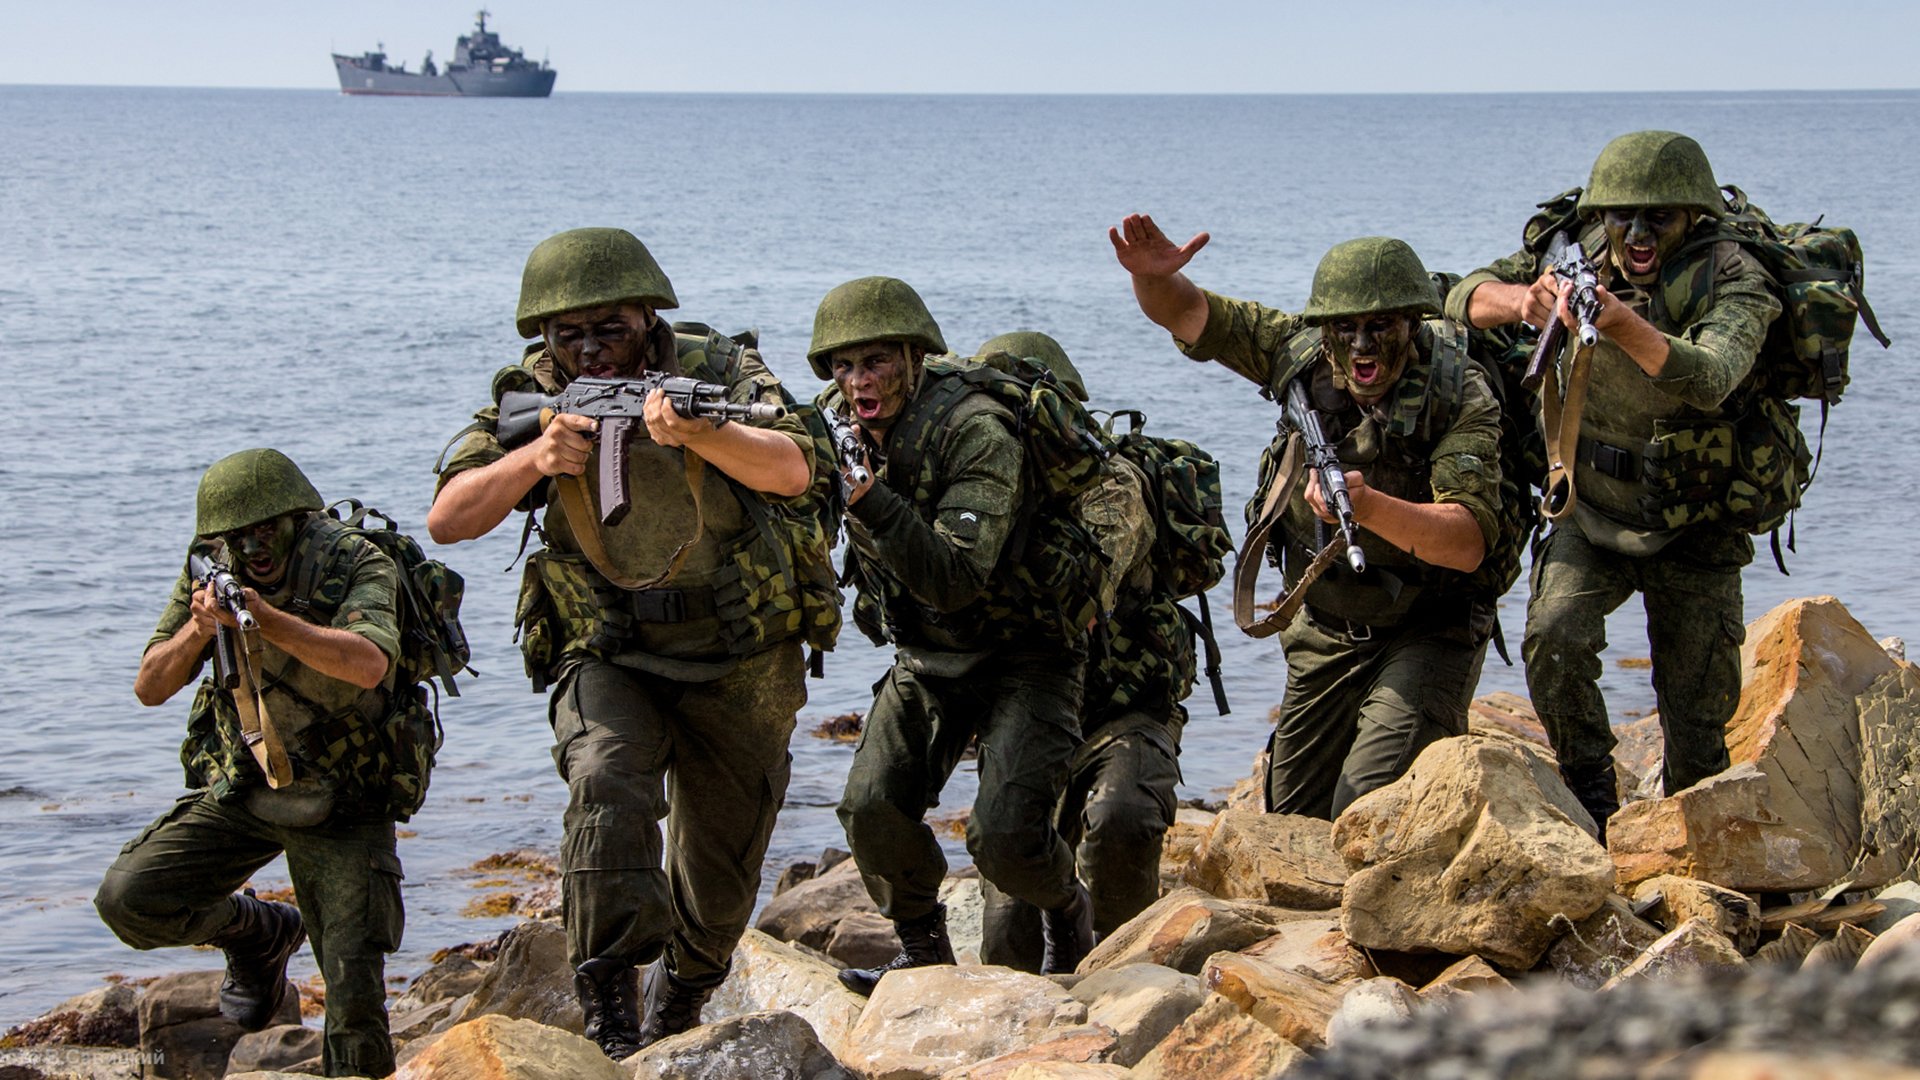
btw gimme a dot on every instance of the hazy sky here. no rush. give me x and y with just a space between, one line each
1012 46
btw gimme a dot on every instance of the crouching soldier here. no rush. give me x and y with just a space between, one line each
275 754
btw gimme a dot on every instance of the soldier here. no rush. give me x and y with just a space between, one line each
1665 360
974 658
674 700
1380 664
1119 799
328 639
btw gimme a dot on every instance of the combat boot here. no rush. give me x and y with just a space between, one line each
258 942
610 1000
1067 933
673 1005
923 943
1597 790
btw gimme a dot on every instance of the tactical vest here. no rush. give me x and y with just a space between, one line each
332 728
760 575
1042 580
1394 457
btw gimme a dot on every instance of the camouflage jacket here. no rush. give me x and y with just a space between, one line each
1428 441
328 725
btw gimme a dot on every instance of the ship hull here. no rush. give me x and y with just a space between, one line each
471 83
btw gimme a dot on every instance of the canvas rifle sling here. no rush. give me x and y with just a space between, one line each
1253 553
1560 423
256 727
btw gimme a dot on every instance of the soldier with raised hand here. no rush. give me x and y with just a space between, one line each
928 534
1380 663
1682 318
320 673
672 700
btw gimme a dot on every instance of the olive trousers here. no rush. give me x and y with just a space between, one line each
1691 590
710 758
174 883
1023 707
1116 810
1361 703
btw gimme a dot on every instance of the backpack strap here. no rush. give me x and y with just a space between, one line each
1202 627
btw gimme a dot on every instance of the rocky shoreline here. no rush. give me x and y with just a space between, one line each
1460 923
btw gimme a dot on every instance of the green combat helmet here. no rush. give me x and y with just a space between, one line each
1652 168
250 487
1368 275
1038 346
584 268
870 309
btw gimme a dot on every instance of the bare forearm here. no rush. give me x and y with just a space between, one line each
474 502
1174 302
337 654
1496 303
169 666
762 460
1441 534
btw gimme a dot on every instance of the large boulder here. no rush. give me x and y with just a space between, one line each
181 1030
771 976
1670 901
1218 1041
1728 830
764 1046
1181 929
1477 850
809 912
922 1022
1602 945
505 1048
1139 1003
531 980
1281 859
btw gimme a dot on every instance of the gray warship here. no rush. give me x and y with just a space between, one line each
481 67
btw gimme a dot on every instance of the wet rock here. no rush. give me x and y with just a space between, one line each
1689 949
809 912
276 1049
1314 946
1670 901
1903 935
1601 945
1296 1006
1080 1051
104 1016
1285 860
1469 976
863 939
773 976
1474 851
763 1045
1724 830
497 1047
922 1022
1218 1041
1840 952
1140 1004
1183 928
181 1027
1370 1004
531 980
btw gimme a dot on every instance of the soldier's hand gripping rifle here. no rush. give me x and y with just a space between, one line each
1569 263
617 404
848 448
1325 464
228 593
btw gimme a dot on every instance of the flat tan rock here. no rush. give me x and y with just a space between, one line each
1669 901
1297 1007
1183 928
1691 947
1285 860
1140 1004
1475 851
923 1022
1217 1042
1067 1052
1469 976
773 976
1725 830
503 1048
1315 946
1602 945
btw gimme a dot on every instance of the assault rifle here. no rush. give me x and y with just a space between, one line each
847 446
1325 463
617 404
1568 261
228 593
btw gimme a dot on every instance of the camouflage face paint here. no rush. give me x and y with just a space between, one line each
260 551
1370 352
603 342
1640 240
876 378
